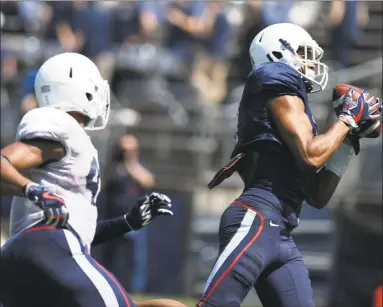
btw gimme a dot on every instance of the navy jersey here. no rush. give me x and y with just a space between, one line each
275 169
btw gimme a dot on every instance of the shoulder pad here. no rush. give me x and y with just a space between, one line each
46 123
276 76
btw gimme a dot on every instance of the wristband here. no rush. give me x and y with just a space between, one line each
340 159
347 122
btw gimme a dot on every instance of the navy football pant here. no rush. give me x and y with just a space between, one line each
44 266
256 251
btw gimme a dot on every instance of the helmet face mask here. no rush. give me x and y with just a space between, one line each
292 45
309 55
71 82
100 107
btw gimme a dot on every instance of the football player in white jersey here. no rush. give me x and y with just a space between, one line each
52 170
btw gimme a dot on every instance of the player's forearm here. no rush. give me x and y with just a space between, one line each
110 229
322 188
325 182
322 147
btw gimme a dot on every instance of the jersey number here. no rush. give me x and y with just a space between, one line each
93 180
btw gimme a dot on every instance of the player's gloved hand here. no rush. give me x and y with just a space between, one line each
55 211
147 209
354 112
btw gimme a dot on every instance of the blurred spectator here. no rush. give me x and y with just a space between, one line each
84 26
260 14
275 11
136 22
9 67
211 67
302 13
305 13
127 180
27 92
185 23
35 15
252 25
61 26
346 20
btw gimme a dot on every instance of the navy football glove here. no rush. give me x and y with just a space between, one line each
354 112
55 211
147 209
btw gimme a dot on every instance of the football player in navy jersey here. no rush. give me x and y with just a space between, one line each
282 162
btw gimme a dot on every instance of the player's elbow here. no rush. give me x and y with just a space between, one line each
309 165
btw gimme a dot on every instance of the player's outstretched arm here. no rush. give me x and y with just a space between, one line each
146 209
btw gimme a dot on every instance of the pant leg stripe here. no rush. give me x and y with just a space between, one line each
241 232
113 280
98 280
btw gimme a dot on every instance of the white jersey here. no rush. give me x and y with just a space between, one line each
75 178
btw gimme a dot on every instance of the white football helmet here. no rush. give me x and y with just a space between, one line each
72 82
280 43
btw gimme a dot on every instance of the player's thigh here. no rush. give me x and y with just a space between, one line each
243 240
286 286
92 285
55 268
18 279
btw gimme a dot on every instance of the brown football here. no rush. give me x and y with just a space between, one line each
341 89
368 129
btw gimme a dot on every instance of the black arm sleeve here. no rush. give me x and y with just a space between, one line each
110 229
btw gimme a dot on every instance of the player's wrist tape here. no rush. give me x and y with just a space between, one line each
348 121
340 159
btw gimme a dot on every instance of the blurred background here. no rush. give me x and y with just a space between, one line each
177 70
